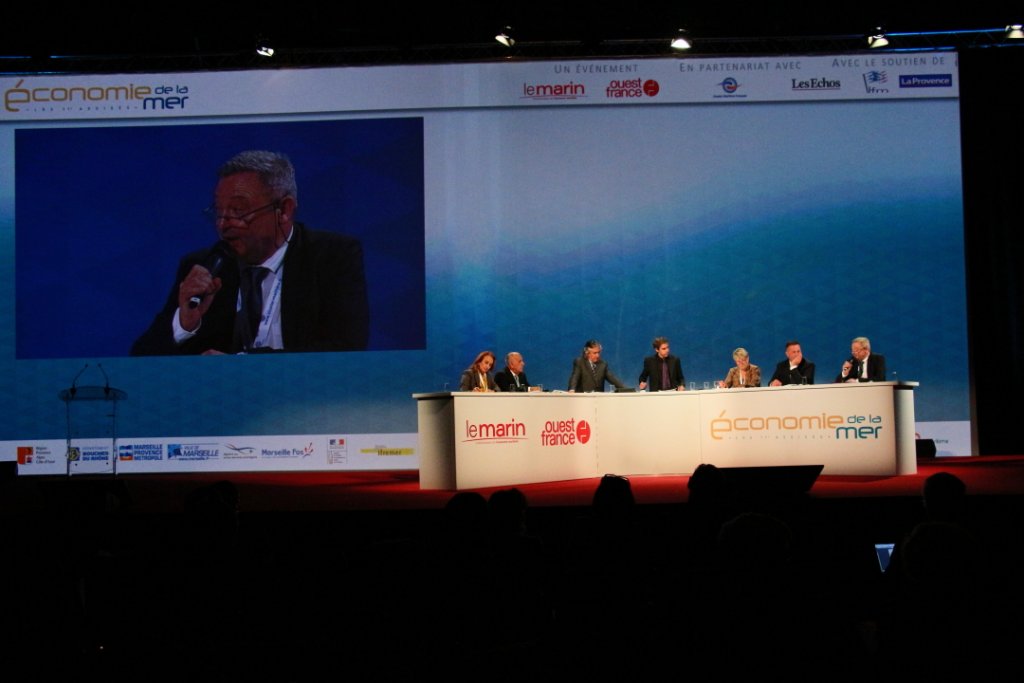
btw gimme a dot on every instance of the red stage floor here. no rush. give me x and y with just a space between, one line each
312 491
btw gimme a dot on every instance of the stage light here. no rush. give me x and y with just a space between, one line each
505 37
263 48
681 41
1015 32
877 39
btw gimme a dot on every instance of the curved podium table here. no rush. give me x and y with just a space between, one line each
473 440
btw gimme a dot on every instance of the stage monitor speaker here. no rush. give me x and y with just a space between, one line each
771 482
925 448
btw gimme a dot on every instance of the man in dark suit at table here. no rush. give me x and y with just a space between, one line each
663 369
512 378
862 366
795 369
589 372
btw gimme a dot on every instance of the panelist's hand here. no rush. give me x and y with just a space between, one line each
846 368
198 282
643 385
776 383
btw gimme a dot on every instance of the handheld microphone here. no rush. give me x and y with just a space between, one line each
219 254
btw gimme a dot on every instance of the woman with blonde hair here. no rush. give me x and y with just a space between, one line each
744 374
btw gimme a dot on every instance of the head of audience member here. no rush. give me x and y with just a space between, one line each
614 494
483 363
706 485
794 353
661 346
213 512
254 204
592 350
860 348
465 517
938 557
507 509
944 497
514 362
741 358
755 542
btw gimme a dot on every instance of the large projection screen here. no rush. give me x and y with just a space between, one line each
528 207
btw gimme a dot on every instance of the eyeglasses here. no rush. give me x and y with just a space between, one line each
248 217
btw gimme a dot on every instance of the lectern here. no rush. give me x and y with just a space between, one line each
88 409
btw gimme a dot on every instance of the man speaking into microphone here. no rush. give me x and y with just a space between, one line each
269 283
862 365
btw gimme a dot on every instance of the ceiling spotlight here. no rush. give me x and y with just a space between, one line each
1015 32
263 48
505 36
681 41
877 39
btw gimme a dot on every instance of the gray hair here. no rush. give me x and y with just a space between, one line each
512 354
740 353
274 170
863 341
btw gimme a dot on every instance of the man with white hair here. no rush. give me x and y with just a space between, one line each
512 378
862 365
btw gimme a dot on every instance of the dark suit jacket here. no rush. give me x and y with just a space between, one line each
470 381
505 382
652 370
323 301
876 369
782 373
582 379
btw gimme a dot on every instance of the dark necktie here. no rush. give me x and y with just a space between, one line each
664 374
247 322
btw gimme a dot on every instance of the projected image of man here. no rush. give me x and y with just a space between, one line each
270 283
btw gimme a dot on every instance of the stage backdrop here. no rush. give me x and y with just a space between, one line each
527 207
